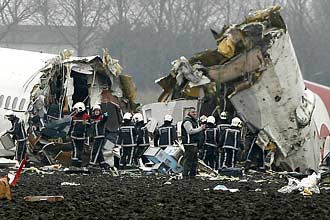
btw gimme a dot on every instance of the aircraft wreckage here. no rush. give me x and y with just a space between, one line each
254 74
55 88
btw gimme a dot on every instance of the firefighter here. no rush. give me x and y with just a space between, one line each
165 135
191 140
255 154
18 133
97 134
142 137
126 138
223 123
211 137
231 142
78 132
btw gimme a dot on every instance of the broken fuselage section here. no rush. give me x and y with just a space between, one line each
64 81
254 74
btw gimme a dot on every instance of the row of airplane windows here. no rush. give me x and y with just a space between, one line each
13 104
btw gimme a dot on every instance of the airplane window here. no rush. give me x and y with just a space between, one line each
7 102
21 104
1 99
13 106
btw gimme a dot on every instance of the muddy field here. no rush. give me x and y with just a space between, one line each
147 197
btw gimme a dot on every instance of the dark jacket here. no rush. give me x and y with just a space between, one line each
231 138
79 125
142 134
165 135
223 124
17 129
127 134
191 137
211 135
97 128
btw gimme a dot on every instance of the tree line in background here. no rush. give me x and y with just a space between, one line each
146 35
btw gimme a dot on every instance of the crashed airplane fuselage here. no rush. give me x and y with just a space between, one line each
254 73
55 85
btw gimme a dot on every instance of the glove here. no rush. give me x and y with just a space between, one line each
106 114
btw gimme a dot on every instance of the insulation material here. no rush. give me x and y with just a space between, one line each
128 87
227 47
261 15
111 63
208 58
193 91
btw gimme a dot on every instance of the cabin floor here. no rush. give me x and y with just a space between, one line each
147 197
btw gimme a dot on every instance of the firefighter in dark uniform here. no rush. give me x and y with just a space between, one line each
211 137
231 142
142 142
97 134
222 126
191 140
18 132
126 138
78 132
255 154
165 135
223 123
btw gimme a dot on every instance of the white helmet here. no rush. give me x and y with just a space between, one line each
168 117
236 122
79 106
223 115
127 116
203 118
9 113
210 119
96 107
138 117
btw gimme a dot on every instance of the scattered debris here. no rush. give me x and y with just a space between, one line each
306 186
5 192
203 167
233 171
76 170
165 161
44 198
70 184
5 163
35 170
54 167
230 178
7 142
224 188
